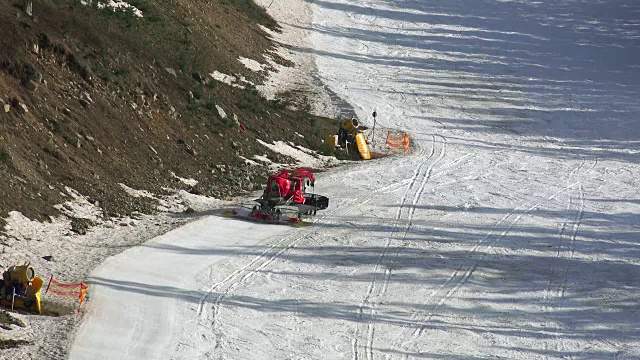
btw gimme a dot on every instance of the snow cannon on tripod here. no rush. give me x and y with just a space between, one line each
21 288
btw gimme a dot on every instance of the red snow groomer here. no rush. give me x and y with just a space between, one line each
287 196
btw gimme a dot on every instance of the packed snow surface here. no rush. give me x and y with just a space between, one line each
510 231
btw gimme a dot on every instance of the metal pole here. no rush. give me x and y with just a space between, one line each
373 132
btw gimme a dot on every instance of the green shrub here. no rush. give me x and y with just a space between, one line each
5 157
197 93
327 150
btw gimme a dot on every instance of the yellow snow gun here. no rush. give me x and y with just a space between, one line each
21 288
350 135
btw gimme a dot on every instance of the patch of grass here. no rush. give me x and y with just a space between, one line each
6 161
74 61
125 16
210 104
101 71
142 5
70 25
254 12
72 140
194 105
121 72
51 149
197 93
7 319
228 122
327 150
279 104
314 125
8 343
252 101
5 157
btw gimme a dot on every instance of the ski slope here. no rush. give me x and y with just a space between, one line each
512 229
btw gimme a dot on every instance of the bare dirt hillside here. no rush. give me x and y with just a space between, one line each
91 97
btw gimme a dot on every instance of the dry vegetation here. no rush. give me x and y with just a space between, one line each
112 98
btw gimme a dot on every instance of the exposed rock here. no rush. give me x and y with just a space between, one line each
31 85
171 71
86 96
73 141
221 112
6 107
37 77
81 225
19 105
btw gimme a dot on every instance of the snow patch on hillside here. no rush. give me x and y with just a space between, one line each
251 64
304 157
115 5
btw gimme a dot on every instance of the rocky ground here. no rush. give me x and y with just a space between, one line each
92 98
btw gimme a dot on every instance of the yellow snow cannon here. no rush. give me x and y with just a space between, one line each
21 288
350 136
350 125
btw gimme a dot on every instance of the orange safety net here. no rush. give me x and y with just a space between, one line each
78 290
398 142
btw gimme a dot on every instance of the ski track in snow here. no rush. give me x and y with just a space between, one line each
421 176
555 292
508 231
464 272
207 320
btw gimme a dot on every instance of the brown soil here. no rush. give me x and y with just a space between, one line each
104 105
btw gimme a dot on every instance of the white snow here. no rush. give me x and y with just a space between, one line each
225 78
137 193
249 161
510 231
263 158
79 207
114 5
251 64
221 112
190 182
304 157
